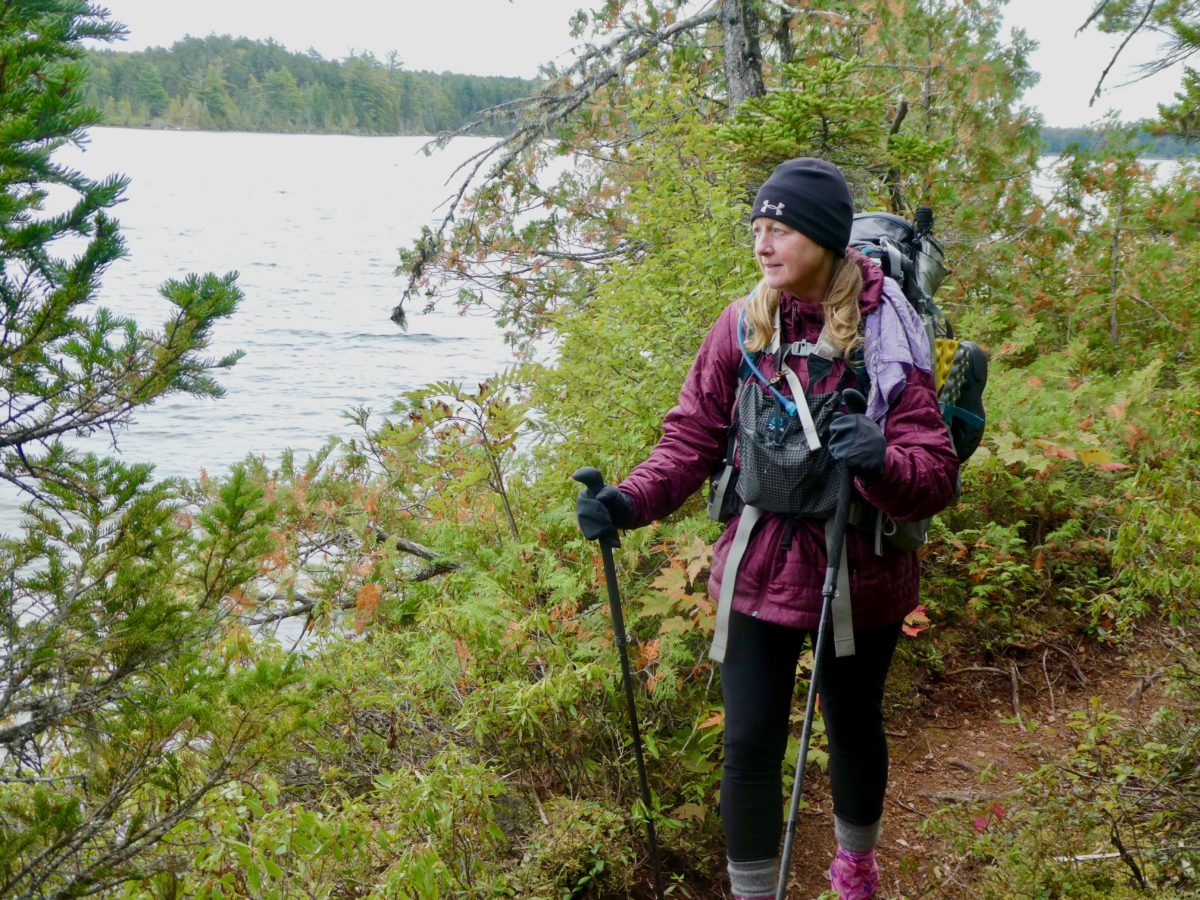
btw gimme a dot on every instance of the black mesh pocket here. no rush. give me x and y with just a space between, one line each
778 472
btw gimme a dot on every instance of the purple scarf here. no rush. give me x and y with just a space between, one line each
896 342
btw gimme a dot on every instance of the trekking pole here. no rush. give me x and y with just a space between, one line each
594 481
856 404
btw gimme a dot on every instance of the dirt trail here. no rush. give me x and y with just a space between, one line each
956 740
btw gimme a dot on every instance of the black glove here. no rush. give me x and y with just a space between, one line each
605 513
857 441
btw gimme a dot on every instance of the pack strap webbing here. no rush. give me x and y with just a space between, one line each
842 613
741 540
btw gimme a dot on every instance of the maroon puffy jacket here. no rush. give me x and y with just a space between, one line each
783 584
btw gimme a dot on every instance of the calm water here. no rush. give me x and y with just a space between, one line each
312 224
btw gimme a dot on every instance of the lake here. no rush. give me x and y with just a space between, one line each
313 224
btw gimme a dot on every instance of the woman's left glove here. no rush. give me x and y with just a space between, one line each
605 513
858 441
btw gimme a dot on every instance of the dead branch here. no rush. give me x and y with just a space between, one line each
552 105
951 796
1128 37
308 605
1154 309
990 670
1016 692
1046 673
1070 659
1127 857
416 549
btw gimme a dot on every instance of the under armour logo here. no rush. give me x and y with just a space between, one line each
776 208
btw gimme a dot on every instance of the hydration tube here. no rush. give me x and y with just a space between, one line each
787 403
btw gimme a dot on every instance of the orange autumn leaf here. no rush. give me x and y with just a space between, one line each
697 556
361 568
240 600
1034 381
916 621
672 581
647 653
1135 436
1117 410
366 601
1053 450
462 651
717 718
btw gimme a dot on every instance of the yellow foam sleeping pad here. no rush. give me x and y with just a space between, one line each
943 358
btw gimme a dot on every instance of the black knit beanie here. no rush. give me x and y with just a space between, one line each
811 196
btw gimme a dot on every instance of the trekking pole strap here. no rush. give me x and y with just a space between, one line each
841 613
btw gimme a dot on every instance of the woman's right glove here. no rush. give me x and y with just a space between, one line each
605 513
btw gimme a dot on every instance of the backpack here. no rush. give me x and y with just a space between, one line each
913 257
909 254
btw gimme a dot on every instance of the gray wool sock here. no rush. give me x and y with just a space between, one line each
754 878
856 838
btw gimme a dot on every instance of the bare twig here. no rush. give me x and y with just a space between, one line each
1128 37
963 764
1046 673
1127 857
1070 659
1016 692
990 670
951 796
1157 311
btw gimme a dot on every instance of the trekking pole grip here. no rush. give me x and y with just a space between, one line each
590 478
593 482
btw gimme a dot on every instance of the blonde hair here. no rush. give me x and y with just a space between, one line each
840 306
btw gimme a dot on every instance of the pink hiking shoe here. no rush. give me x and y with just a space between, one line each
854 875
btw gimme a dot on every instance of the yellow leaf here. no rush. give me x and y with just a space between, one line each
688 812
672 581
1095 456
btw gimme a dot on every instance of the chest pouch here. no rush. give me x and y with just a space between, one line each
780 469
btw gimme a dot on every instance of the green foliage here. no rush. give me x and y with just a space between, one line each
1113 816
129 696
221 82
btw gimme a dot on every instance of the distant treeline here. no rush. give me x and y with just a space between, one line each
227 83
1058 139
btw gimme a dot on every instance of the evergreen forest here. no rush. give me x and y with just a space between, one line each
451 722
225 83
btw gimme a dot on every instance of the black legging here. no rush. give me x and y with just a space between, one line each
758 679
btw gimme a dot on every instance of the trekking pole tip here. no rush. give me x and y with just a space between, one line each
590 477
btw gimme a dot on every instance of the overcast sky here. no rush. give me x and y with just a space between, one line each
513 37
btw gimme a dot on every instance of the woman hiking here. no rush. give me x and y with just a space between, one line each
772 370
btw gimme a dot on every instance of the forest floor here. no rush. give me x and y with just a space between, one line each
960 745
